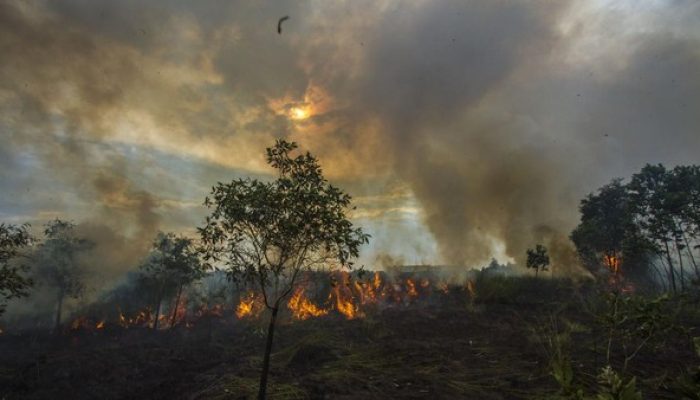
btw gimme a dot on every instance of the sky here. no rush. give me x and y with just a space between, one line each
464 130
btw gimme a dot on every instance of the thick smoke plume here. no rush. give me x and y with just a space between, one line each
493 117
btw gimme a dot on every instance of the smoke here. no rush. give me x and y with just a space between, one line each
479 181
129 221
499 121
494 118
60 89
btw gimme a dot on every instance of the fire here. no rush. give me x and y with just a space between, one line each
143 318
377 282
366 291
248 306
612 262
180 311
302 308
245 308
348 296
411 288
471 289
344 304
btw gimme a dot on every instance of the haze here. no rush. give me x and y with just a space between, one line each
464 130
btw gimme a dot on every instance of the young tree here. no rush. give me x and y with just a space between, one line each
172 265
57 263
13 283
269 233
538 259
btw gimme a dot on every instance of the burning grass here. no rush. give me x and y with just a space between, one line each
351 296
468 340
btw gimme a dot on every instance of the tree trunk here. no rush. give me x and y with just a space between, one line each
59 308
177 305
692 257
670 267
659 274
155 321
536 271
236 295
268 351
680 263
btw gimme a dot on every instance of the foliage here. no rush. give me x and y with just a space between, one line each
636 322
13 283
612 387
651 222
57 258
607 229
173 261
688 385
172 264
537 259
57 264
269 233
558 346
266 233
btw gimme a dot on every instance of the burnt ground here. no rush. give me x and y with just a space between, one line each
489 349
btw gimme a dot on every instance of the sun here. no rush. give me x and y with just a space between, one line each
299 113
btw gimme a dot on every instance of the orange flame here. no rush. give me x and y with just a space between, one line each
471 289
377 282
245 307
612 262
180 310
411 288
344 304
302 308
249 306
349 296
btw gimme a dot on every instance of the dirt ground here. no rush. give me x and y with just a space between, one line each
451 349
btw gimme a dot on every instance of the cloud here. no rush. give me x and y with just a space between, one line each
493 118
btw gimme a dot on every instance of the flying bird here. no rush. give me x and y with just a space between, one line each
279 23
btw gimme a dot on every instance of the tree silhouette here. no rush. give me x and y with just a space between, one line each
13 283
269 233
57 263
607 236
172 264
652 220
538 259
652 203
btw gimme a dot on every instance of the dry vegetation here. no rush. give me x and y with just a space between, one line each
492 343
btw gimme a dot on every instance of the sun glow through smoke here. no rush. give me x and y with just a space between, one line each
299 113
